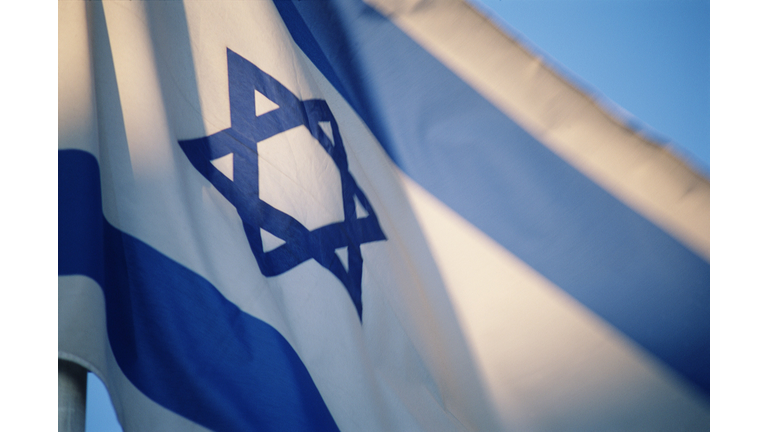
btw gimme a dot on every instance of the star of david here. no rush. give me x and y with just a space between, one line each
241 187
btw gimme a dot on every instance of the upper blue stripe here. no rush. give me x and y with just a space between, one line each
483 165
173 334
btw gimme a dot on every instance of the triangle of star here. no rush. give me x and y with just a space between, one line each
343 254
263 104
326 127
269 241
225 165
359 209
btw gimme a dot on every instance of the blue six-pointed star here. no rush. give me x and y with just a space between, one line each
240 140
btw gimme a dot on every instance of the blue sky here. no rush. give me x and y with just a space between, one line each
650 57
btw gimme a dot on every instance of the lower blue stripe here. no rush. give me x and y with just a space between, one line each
174 336
479 162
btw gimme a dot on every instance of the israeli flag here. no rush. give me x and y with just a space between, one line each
366 216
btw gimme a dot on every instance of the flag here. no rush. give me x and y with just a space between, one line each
366 215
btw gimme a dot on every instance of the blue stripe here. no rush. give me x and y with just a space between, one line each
483 165
174 336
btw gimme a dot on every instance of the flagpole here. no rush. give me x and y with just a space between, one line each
72 388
